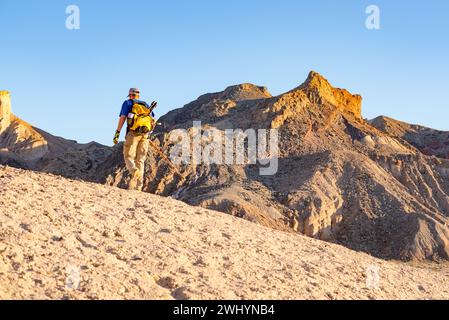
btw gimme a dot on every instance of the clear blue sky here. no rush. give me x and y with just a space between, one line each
72 83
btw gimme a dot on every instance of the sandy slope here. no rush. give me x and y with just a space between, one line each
134 245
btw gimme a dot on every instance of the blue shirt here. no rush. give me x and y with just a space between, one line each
128 106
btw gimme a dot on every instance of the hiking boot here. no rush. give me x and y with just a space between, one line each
134 180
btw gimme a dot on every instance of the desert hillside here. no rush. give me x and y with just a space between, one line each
64 239
380 186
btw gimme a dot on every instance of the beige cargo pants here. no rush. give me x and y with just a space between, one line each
135 152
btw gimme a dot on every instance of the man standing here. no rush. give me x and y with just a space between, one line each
140 123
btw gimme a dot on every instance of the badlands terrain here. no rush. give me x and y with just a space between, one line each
379 186
67 239
351 195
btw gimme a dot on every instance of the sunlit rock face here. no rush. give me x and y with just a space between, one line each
318 89
5 110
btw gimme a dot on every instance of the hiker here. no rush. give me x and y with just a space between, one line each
140 123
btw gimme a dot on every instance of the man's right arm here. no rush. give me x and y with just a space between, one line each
123 115
121 122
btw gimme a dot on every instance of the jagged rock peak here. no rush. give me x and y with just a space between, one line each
319 89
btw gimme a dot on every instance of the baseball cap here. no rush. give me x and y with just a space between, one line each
134 91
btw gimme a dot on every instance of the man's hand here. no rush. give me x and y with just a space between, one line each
116 137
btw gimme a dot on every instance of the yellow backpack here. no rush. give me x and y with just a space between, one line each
140 119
